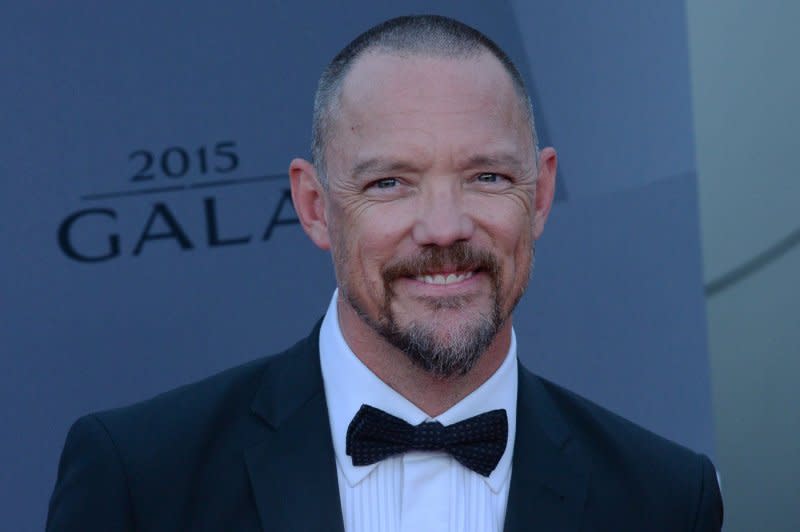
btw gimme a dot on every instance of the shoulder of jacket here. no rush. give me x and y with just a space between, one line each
601 430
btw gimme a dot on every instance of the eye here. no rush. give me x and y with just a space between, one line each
388 182
488 177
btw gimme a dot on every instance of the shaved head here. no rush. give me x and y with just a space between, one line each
418 35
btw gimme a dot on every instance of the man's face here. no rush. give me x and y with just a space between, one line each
430 207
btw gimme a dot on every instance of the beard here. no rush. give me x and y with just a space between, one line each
442 356
442 350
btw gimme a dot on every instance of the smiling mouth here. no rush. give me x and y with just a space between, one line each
444 279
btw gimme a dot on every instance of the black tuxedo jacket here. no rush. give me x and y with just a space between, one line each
250 449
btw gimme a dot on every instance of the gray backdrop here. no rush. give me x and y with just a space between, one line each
745 84
147 242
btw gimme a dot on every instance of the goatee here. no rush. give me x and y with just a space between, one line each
440 353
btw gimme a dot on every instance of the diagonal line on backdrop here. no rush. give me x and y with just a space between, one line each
137 192
175 188
542 128
751 266
240 181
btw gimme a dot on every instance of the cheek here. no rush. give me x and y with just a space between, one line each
379 234
513 246
508 222
368 250
524 246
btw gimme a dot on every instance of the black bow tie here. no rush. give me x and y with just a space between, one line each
477 442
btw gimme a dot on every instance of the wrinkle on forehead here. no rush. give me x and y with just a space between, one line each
422 83
427 107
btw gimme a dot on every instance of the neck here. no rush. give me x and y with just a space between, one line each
431 394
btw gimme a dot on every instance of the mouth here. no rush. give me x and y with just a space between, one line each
458 270
443 278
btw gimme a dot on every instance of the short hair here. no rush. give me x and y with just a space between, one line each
426 35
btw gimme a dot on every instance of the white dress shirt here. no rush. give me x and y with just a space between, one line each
416 491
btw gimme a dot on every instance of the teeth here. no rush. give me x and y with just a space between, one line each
442 279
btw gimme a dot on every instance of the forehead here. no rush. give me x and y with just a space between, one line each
427 107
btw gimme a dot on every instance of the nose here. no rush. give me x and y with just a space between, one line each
441 217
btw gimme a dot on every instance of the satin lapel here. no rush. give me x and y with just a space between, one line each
293 470
549 476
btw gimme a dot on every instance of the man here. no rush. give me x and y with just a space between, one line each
405 409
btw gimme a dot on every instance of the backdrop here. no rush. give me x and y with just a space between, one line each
148 239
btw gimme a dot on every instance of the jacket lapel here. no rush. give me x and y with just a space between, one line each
293 470
549 477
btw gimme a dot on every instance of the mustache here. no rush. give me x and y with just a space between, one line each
460 256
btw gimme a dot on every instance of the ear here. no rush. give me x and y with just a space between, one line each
309 201
545 189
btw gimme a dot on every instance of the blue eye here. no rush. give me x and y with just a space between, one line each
388 182
488 177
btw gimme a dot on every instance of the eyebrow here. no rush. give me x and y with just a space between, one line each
379 165
493 160
384 166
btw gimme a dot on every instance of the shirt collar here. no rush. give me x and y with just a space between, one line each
349 384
